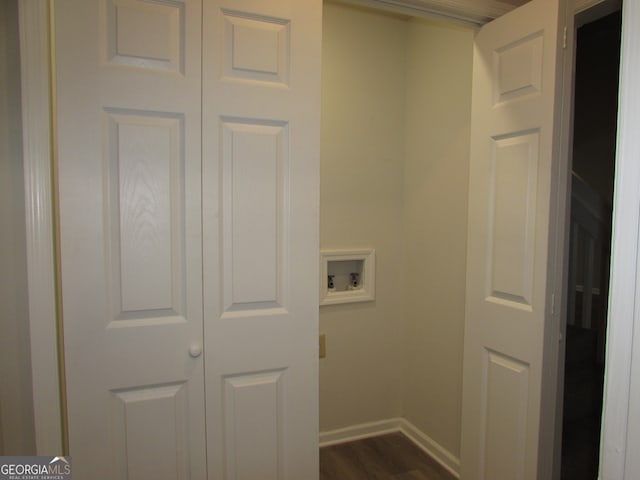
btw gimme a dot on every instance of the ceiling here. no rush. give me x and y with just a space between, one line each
476 12
473 12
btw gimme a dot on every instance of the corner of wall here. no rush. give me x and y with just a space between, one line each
439 69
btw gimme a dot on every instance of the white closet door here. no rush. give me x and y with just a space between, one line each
515 206
261 126
128 78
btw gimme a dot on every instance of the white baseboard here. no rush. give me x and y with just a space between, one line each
358 432
373 429
436 451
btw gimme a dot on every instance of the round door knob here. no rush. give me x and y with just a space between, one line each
195 350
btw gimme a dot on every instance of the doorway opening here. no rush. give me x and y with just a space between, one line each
594 144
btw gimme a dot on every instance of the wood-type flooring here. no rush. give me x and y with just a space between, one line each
386 457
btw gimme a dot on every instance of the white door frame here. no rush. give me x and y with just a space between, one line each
39 212
621 416
621 410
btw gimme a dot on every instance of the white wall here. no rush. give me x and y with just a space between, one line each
394 174
362 150
16 406
438 114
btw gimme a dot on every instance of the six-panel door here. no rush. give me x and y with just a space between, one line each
515 174
156 307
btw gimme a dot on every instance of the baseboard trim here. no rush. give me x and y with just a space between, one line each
358 432
436 451
372 429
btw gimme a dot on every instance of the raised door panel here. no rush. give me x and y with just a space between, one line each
254 414
150 432
145 214
513 214
254 199
506 385
158 46
256 47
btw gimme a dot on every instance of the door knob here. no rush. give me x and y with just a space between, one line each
195 350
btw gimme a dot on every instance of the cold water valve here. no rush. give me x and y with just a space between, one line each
331 283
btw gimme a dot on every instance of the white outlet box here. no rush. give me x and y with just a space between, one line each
352 276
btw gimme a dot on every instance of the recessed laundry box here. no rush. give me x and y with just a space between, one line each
347 276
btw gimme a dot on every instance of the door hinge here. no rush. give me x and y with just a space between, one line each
564 37
553 304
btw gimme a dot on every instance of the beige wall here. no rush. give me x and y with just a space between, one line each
394 173
16 406
362 149
439 64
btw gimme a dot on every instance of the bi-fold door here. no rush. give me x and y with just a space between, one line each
517 211
187 151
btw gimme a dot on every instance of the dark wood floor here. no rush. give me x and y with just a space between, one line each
387 457
583 387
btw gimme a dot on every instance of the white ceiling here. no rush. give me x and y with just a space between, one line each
474 12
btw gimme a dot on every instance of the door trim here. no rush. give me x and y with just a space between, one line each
37 134
622 389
